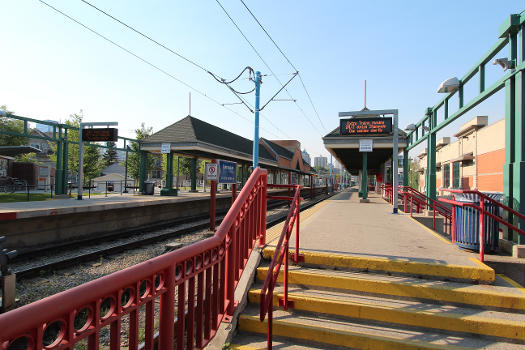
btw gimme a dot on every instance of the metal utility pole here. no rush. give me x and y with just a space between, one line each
81 153
395 179
256 133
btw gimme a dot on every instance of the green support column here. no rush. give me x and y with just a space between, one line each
431 156
514 168
519 166
193 175
364 179
168 189
405 167
65 158
59 170
142 170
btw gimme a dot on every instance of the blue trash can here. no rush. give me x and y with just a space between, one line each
467 223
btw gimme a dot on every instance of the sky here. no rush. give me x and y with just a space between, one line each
51 67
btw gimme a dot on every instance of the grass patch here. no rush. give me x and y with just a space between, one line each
22 197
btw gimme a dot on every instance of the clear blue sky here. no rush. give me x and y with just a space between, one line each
51 67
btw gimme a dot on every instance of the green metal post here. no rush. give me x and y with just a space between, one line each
142 170
405 167
364 180
193 175
59 170
168 189
65 157
431 155
518 176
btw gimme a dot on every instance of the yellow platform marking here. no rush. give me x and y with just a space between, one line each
468 295
244 347
274 232
477 262
434 233
512 283
434 320
338 337
485 274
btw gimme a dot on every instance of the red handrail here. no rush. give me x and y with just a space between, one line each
482 212
418 199
281 253
204 274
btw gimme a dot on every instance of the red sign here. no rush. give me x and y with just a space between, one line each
366 126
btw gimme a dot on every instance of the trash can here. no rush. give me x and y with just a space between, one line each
149 188
467 222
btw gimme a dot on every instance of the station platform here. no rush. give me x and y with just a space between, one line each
374 280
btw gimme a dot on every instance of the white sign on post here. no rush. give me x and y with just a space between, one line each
212 171
366 145
165 148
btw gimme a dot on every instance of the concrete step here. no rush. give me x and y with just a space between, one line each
474 272
500 296
335 332
253 341
364 308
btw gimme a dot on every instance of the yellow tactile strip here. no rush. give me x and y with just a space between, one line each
468 295
418 318
477 273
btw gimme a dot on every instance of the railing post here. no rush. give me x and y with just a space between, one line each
482 230
167 310
405 201
264 194
213 200
230 270
411 203
298 208
453 225
434 215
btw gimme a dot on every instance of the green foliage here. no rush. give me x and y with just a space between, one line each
11 125
110 156
134 157
26 158
93 163
413 174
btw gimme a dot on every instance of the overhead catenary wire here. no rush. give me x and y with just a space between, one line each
287 59
152 65
267 65
214 75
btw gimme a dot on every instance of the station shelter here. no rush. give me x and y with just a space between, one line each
196 139
364 144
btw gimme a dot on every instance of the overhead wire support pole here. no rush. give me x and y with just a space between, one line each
256 132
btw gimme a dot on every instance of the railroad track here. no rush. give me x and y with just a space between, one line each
181 229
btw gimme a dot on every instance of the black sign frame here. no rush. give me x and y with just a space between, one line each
365 126
100 134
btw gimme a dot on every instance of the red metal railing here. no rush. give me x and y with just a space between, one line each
281 254
198 281
419 200
482 213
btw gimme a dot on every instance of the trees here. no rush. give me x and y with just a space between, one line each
413 174
110 156
92 162
11 125
134 157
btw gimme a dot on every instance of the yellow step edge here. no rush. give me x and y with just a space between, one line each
442 321
332 336
477 273
465 295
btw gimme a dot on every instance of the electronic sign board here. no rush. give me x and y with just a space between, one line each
366 126
99 134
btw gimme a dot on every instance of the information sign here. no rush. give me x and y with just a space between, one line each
366 145
227 172
165 148
99 134
211 171
366 126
